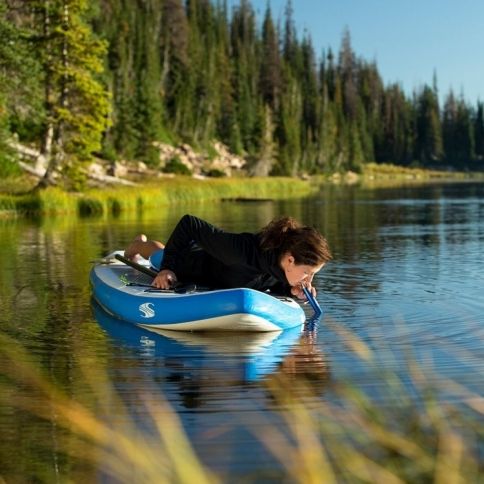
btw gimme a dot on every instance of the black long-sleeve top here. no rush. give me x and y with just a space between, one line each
198 252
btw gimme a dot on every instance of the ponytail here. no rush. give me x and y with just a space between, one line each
305 244
274 233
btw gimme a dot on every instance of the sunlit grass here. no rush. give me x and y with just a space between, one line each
164 192
385 174
405 434
387 169
347 436
183 189
50 201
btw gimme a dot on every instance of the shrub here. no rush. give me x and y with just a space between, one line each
215 173
174 165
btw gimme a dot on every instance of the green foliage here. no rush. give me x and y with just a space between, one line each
8 167
66 60
479 131
428 143
174 165
190 71
21 107
215 173
18 89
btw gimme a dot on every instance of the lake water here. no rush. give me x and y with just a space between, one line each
406 284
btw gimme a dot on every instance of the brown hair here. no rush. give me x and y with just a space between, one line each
305 244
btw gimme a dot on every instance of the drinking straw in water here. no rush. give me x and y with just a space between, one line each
312 300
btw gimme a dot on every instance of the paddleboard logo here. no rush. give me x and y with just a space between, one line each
147 310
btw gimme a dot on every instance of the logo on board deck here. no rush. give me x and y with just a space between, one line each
147 310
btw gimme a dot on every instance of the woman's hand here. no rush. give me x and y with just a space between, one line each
165 279
299 293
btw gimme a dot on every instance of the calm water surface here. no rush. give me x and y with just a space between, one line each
406 282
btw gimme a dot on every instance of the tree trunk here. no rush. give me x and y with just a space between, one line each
53 139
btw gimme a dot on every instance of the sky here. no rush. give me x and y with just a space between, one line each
409 40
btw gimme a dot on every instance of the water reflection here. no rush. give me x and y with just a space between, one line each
304 371
194 362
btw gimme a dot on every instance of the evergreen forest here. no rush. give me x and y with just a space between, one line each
112 77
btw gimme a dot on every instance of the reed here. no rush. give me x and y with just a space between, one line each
355 439
7 205
348 437
118 449
164 192
48 202
389 171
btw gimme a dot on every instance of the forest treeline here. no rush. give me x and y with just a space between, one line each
111 77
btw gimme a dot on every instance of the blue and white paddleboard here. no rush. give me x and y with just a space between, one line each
125 293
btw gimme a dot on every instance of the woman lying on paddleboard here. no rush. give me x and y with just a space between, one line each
281 258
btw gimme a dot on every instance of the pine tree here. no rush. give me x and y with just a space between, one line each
449 118
371 95
310 88
290 44
270 75
76 103
289 132
347 70
393 138
327 141
20 100
245 57
428 142
464 134
267 148
177 81
227 126
147 67
479 131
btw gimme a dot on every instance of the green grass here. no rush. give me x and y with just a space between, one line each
382 175
386 171
113 200
50 201
166 191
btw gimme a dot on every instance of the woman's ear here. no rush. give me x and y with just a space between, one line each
287 260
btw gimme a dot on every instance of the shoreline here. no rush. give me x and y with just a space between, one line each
182 189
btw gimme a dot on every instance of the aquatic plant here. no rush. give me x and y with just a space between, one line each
402 433
164 192
117 448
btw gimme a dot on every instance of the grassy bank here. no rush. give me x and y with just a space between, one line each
186 189
167 191
384 172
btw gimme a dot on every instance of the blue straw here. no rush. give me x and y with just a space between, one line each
314 304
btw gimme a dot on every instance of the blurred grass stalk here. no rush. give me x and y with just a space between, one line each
118 449
346 437
403 433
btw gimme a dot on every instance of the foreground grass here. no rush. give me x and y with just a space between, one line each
167 191
349 438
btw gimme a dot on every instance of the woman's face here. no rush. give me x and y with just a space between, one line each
296 274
